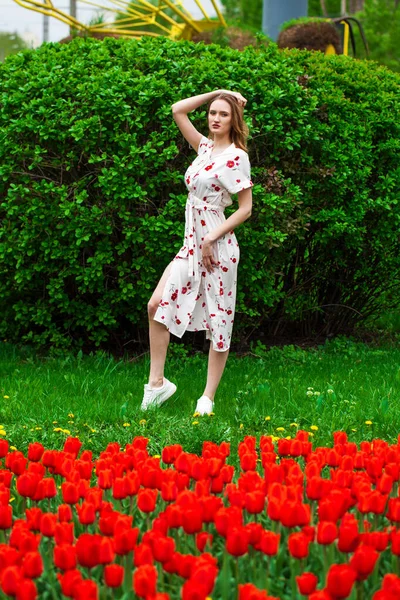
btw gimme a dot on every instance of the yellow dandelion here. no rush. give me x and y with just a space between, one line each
294 424
71 415
196 414
6 397
275 438
24 426
142 422
93 430
267 418
157 456
368 422
126 425
2 432
241 426
31 429
55 422
354 430
38 428
57 429
280 429
288 437
311 433
70 422
13 447
12 498
314 428
195 423
211 414
67 431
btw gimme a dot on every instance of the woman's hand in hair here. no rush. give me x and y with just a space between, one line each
241 99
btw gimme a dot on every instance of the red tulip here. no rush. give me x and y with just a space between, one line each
144 581
27 484
72 446
86 589
113 575
3 448
202 539
363 561
86 513
327 532
255 502
293 514
146 500
306 583
48 524
142 555
192 521
26 590
269 543
5 517
237 541
64 557
340 580
88 549
126 540
248 591
32 565
64 512
64 533
163 549
68 581
10 579
70 492
298 545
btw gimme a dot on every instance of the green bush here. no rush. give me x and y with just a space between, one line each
92 195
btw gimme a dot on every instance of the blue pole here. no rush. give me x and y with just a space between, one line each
276 12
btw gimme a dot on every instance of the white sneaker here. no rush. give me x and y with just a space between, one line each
157 396
205 406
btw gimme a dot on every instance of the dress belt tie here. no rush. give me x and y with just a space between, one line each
193 203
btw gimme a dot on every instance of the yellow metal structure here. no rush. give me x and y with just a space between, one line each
136 18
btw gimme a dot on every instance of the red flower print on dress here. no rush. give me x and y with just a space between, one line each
208 167
217 188
225 269
184 290
220 345
177 321
203 223
230 164
237 158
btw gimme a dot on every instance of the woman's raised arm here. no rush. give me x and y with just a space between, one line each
180 111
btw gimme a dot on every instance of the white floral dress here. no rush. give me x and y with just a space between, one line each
194 299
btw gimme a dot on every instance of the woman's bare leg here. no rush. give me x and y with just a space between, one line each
158 334
216 366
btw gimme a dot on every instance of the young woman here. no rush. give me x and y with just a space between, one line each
198 288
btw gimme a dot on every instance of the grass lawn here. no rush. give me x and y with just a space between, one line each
342 385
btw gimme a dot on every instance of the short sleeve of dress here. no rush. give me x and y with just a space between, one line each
235 176
203 145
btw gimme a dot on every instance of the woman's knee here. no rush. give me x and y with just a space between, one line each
152 307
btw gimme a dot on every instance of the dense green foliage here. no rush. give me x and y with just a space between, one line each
381 22
244 13
92 194
10 43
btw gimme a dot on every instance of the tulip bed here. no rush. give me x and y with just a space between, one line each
292 522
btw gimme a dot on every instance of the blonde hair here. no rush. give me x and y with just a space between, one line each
239 130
